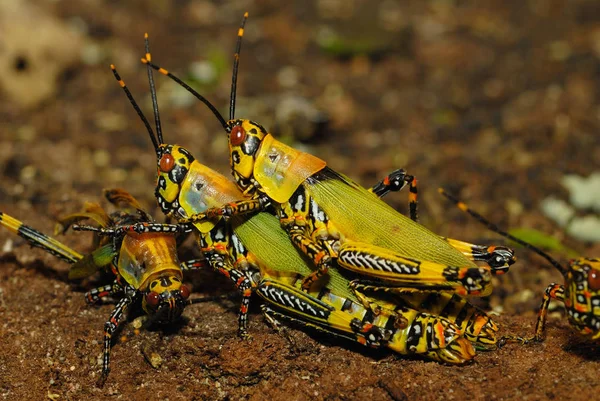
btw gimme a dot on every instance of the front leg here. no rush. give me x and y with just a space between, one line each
111 326
553 291
241 207
95 295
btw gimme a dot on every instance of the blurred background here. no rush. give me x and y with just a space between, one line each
496 101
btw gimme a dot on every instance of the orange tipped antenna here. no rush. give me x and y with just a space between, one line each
136 107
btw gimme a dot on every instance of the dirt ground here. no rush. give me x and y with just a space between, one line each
493 100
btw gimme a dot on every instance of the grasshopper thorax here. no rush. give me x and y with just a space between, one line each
166 298
173 162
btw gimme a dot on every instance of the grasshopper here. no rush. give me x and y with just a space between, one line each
580 292
255 251
145 265
332 220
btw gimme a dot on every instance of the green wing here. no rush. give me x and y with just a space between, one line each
363 217
91 263
263 236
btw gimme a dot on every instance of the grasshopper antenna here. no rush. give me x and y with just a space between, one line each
190 90
236 64
136 107
153 92
463 206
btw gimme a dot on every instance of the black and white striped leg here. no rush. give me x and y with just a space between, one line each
95 295
111 326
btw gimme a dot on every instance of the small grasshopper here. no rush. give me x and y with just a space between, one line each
145 265
580 293
332 220
256 249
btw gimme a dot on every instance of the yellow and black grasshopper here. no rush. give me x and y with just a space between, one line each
331 219
580 293
256 253
144 263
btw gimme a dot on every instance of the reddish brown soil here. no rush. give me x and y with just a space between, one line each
493 100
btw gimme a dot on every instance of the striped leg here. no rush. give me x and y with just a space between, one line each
40 240
553 291
242 283
319 255
95 295
111 326
395 269
194 264
396 181
499 258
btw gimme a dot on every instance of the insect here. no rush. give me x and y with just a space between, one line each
580 292
331 219
145 265
255 251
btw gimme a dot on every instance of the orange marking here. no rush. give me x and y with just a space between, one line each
241 32
386 181
244 309
581 308
462 206
163 71
412 197
112 67
361 340
246 14
220 247
122 83
440 335
148 57
587 294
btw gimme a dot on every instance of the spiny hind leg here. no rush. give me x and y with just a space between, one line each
498 258
394 182
553 291
398 271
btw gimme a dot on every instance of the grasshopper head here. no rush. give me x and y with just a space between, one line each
173 165
245 137
166 298
582 296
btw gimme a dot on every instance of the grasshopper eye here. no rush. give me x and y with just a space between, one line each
152 299
594 280
167 162
184 291
237 136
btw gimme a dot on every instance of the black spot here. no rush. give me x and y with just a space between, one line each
21 63
251 144
235 156
182 160
162 183
178 174
198 186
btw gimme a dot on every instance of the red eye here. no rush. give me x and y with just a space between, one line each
167 162
237 136
594 280
184 291
152 298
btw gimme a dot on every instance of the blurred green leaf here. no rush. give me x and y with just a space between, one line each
544 241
